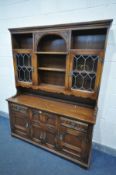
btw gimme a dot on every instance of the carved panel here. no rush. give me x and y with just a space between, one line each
64 135
39 35
18 108
80 126
36 115
72 142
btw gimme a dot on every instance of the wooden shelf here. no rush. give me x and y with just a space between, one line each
52 69
51 85
83 50
51 88
55 53
22 50
88 39
22 41
84 72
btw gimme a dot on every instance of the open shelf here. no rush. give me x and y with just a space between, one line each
51 78
52 69
50 86
22 41
56 62
54 53
88 39
51 42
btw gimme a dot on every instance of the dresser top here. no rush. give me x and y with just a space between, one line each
90 24
70 110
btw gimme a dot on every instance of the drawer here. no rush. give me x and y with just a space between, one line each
50 119
44 117
74 124
18 109
36 115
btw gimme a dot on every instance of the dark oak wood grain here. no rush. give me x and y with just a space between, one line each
58 71
74 111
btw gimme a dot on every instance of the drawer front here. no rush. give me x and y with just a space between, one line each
36 116
50 119
41 117
74 124
18 109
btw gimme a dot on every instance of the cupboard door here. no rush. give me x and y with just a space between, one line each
37 132
85 72
23 66
50 122
44 128
73 139
20 120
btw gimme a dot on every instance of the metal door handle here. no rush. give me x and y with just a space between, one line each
27 125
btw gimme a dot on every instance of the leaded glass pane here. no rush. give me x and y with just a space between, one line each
24 67
84 72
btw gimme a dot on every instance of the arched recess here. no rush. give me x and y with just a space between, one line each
51 43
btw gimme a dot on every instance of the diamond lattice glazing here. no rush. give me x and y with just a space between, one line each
84 72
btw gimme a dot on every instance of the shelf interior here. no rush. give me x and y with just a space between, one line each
52 61
22 41
51 42
51 77
88 39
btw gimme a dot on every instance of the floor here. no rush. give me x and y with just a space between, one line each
20 158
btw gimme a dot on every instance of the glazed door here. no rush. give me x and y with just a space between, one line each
23 65
85 72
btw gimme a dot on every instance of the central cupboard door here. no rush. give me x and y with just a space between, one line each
85 71
44 128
